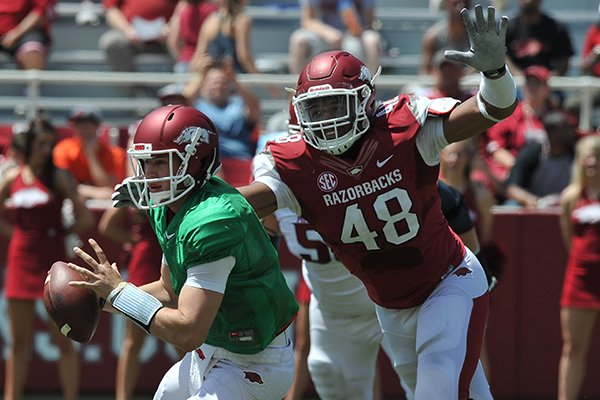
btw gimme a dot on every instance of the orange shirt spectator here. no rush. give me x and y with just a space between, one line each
95 164
69 155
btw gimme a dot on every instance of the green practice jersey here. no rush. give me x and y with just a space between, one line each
216 222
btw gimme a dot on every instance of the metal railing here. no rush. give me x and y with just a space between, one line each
584 86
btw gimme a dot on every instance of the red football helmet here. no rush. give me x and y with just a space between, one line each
184 134
334 100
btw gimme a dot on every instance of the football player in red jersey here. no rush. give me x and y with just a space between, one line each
365 178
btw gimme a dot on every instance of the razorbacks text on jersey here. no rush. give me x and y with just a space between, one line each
379 211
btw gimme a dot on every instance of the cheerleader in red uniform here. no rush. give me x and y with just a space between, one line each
37 239
580 301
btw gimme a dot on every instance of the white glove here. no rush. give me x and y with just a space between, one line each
488 41
123 194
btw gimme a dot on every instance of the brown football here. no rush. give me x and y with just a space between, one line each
74 310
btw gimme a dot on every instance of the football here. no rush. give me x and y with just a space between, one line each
74 310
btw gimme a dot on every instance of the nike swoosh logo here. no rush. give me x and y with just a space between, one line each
169 236
383 162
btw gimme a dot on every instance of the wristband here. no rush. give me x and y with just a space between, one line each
500 92
111 296
137 305
495 74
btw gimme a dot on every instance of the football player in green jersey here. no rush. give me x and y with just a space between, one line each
222 296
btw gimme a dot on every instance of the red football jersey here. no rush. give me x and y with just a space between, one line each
380 211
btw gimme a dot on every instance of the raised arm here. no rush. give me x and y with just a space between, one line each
260 197
496 98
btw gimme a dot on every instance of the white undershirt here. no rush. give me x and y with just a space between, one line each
210 276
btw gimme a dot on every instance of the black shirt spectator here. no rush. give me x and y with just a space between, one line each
534 38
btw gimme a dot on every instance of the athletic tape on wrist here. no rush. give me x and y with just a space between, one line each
139 306
500 92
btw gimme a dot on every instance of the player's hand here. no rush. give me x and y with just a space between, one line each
102 276
124 193
487 38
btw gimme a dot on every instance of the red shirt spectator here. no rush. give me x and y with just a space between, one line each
186 26
12 12
25 31
500 144
591 51
147 9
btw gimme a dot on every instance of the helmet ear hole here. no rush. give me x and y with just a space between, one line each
188 181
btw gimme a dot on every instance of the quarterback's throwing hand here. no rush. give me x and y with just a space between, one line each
487 38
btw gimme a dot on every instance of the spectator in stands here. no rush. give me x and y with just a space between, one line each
235 111
187 20
501 143
87 14
137 27
590 52
438 5
580 301
542 170
447 75
25 31
96 164
37 239
534 38
333 25
447 33
172 93
225 35
11 157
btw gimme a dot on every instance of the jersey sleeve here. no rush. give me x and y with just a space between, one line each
429 113
431 140
266 172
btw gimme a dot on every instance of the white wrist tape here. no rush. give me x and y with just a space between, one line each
500 92
139 306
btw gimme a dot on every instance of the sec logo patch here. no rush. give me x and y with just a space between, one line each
327 181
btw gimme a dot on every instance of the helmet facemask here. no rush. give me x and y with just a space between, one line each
333 119
180 181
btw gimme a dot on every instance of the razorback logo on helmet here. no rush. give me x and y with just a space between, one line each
327 181
319 87
253 377
365 74
187 135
